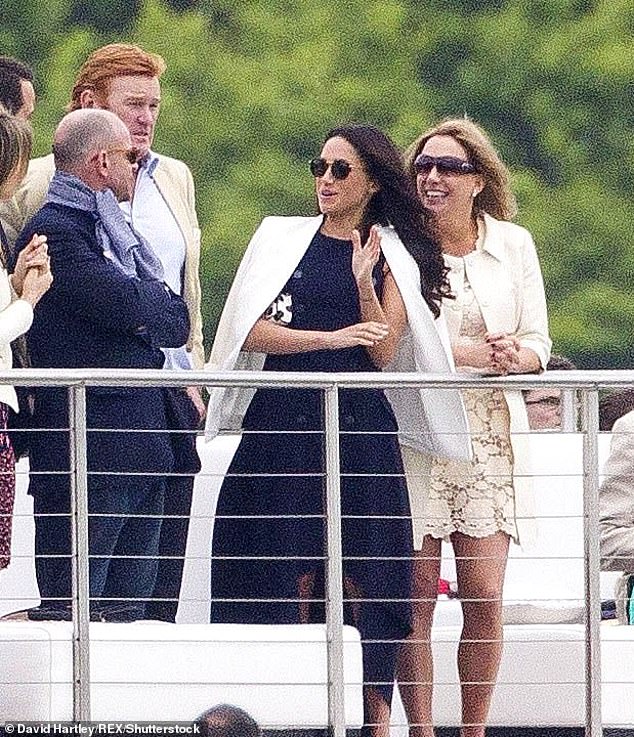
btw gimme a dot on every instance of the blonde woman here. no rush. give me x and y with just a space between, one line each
19 293
497 325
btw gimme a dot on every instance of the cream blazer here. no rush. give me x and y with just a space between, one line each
507 281
430 420
16 316
616 500
174 181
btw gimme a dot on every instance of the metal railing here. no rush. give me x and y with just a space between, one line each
586 383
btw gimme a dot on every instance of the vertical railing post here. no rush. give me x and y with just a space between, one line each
334 575
568 410
79 561
590 414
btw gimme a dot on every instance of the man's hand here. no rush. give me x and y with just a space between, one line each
36 283
194 394
34 254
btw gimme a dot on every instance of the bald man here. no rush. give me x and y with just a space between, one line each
109 307
125 79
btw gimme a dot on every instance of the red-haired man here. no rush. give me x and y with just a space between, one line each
125 79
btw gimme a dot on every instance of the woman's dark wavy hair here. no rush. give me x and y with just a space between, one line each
397 204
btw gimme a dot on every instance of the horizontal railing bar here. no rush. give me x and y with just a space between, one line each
591 379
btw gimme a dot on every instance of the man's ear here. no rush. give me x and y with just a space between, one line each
88 99
102 167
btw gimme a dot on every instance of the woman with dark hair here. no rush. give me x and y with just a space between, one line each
498 325
330 293
19 293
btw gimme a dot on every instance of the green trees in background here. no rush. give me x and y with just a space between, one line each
253 85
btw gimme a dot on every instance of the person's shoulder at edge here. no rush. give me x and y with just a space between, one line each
274 231
512 234
29 196
284 225
175 166
57 222
289 221
31 193
39 170
625 424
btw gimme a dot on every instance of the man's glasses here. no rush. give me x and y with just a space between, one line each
545 401
131 154
423 164
339 168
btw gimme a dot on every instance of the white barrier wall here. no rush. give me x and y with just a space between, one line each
541 678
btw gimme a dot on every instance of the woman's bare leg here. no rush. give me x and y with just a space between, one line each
480 567
377 714
306 592
415 670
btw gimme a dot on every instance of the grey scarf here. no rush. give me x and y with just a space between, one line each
125 247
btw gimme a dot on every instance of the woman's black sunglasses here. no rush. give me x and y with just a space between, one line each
444 164
339 168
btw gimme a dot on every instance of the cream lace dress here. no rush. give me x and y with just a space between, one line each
474 498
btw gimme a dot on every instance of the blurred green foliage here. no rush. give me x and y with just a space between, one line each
253 86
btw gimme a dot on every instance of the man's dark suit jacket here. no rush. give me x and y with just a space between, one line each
95 316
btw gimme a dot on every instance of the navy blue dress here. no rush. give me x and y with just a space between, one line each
268 543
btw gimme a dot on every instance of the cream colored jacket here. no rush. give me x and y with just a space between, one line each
616 500
16 316
174 180
506 279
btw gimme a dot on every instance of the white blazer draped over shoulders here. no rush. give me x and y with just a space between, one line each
430 420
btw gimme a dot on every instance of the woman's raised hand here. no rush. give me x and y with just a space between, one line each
364 258
362 333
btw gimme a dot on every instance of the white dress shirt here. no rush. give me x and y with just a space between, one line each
153 219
